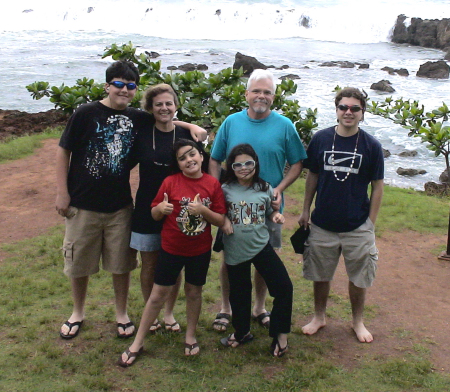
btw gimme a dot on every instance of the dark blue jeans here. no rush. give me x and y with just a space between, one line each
269 265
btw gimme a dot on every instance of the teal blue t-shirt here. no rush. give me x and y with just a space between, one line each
274 139
247 210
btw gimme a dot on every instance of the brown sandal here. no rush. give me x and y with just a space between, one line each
130 355
190 347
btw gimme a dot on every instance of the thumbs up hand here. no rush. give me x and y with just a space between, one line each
195 207
165 207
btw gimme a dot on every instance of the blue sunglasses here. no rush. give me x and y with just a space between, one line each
120 85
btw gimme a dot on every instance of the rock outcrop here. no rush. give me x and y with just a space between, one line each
248 63
409 172
14 123
393 71
434 70
383 85
429 33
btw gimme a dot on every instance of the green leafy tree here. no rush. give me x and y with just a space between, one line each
431 127
205 99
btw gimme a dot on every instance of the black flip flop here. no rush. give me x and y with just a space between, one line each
124 327
71 325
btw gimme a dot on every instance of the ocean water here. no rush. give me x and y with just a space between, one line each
61 41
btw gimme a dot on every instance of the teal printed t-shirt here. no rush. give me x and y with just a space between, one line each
247 210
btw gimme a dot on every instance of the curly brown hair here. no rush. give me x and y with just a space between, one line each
351 92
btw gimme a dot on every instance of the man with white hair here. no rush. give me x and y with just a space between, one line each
276 141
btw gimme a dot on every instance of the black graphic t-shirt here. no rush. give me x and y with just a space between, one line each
100 139
154 167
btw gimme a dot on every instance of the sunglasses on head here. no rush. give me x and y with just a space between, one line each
120 85
240 165
353 109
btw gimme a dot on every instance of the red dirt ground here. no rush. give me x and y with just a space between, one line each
410 295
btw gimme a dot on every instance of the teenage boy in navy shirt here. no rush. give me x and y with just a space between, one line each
342 161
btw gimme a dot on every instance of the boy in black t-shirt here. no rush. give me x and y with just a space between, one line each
93 193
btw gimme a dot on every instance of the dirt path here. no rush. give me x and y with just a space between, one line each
410 296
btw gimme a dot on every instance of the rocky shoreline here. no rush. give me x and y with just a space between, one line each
429 33
15 123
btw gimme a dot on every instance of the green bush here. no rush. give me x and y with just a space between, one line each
205 99
429 126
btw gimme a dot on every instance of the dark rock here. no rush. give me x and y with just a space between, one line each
392 71
447 56
305 21
434 70
408 154
434 189
386 153
430 33
187 67
248 63
90 9
340 64
152 55
289 76
363 66
409 172
444 177
383 85
14 123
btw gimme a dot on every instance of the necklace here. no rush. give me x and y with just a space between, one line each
154 147
353 159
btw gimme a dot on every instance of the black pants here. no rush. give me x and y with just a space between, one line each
273 271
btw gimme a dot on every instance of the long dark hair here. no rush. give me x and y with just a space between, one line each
257 183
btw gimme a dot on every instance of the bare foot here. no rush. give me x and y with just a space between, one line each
315 324
363 335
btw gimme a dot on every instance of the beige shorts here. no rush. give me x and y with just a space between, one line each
323 249
91 236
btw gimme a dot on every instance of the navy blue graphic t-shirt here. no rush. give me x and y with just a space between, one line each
342 203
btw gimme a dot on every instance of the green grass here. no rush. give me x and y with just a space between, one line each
35 300
15 148
401 209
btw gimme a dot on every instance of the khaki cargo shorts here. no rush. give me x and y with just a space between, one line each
323 249
94 236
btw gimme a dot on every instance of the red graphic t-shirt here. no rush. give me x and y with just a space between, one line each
185 234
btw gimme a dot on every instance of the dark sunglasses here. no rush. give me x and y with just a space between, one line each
240 165
120 85
353 109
